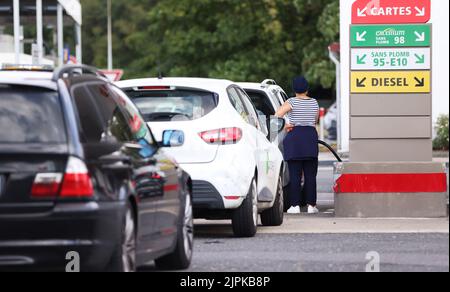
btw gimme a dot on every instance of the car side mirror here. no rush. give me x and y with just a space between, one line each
276 125
172 138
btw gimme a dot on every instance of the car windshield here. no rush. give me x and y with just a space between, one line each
30 115
173 105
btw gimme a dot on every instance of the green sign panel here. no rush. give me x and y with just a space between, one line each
390 36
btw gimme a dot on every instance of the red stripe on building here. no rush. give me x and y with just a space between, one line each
391 183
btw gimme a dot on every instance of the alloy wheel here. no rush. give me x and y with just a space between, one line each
129 244
255 203
188 228
280 195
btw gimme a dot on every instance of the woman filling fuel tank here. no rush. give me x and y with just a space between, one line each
301 149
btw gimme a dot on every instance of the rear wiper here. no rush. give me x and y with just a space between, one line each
164 116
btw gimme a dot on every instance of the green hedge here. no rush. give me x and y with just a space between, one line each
442 140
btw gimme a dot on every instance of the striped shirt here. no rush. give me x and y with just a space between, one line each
304 112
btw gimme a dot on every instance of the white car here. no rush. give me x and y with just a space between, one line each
268 97
330 122
236 170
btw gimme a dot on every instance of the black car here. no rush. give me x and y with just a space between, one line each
83 183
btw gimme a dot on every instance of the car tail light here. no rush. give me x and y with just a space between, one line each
77 181
46 185
222 136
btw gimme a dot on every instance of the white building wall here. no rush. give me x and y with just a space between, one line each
440 21
346 20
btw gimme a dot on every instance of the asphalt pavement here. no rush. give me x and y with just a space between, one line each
323 243
321 253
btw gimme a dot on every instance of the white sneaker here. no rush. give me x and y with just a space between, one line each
294 210
313 210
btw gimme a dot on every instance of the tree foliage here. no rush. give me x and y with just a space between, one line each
441 142
241 40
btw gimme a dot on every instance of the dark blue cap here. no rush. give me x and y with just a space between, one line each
300 84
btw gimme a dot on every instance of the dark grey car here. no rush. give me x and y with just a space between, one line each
81 175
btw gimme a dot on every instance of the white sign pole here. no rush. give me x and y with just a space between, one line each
35 60
110 53
78 50
60 20
345 21
39 31
16 4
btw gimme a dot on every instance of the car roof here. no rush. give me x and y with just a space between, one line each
251 85
207 84
28 78
257 86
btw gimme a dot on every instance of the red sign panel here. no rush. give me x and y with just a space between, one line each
114 75
391 11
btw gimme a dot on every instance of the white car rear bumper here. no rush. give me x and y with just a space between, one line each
228 177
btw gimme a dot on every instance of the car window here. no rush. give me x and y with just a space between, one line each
118 127
276 98
100 116
140 130
261 102
284 96
173 105
30 115
238 104
251 109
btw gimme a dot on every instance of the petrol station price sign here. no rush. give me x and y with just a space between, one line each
391 59
391 82
390 70
391 35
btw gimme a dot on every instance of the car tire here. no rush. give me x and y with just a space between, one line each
181 257
245 218
124 256
286 199
275 215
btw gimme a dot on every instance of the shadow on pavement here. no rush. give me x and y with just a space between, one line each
222 230
214 230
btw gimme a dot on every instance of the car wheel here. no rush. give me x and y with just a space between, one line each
275 215
124 257
181 258
245 218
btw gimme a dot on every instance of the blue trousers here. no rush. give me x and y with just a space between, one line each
308 169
